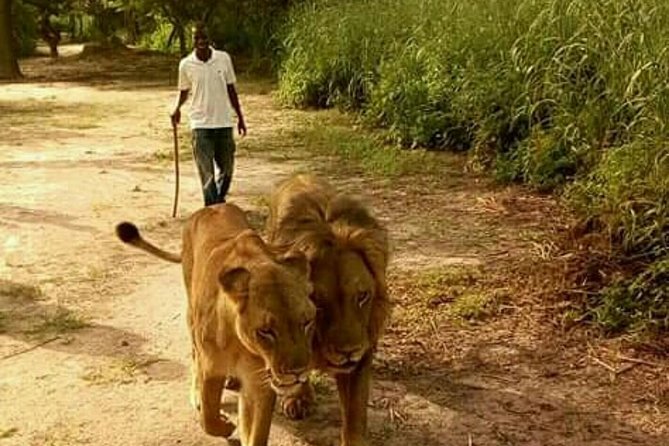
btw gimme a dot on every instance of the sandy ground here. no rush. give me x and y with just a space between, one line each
93 344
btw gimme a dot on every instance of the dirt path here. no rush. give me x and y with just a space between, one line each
92 335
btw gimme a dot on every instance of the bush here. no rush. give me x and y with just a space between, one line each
332 49
554 93
497 76
638 304
158 38
627 196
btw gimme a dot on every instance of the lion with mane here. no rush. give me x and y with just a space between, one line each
347 249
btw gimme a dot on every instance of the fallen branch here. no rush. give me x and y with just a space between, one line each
608 367
626 368
639 361
31 348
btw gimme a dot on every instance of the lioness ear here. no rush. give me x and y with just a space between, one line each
297 260
235 282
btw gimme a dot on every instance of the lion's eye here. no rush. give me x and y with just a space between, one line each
308 326
363 298
266 333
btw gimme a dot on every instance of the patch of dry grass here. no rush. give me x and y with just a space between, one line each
62 320
14 291
166 152
49 115
118 371
8 433
455 293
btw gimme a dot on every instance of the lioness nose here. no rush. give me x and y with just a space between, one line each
294 375
296 372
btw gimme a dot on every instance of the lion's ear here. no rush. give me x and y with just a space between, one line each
298 261
235 282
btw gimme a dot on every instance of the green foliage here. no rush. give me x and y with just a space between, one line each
332 49
553 93
638 304
627 196
25 27
159 38
497 76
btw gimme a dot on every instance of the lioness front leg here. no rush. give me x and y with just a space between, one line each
298 405
213 422
353 395
256 405
195 387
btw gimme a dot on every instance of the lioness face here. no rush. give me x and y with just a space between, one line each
276 321
344 291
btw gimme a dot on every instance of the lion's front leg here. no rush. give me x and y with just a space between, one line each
297 406
256 405
353 396
213 422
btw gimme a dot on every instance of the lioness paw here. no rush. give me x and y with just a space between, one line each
195 399
298 407
295 408
233 384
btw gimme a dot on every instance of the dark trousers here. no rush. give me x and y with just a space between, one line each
214 146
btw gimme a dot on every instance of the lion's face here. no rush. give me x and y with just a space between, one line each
275 319
345 291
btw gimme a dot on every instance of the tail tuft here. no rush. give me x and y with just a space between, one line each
127 232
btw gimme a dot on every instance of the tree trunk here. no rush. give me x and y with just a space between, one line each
50 34
170 39
182 40
9 66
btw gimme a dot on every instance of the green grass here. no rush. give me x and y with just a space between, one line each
564 95
321 382
458 292
473 306
337 136
637 304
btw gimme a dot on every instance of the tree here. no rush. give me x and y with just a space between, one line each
47 8
9 66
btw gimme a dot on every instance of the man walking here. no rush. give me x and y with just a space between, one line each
209 74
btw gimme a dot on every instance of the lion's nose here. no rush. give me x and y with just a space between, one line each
350 353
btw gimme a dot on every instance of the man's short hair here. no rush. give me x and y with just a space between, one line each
200 28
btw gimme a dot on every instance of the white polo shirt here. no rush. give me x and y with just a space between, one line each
207 82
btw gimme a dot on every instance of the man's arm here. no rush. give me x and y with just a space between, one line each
176 114
234 100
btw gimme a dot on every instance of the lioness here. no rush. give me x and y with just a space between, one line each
249 315
348 252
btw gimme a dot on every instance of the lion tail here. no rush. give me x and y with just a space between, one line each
128 233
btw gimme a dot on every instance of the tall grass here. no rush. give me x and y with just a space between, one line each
547 92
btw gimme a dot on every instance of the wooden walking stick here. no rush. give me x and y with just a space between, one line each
176 169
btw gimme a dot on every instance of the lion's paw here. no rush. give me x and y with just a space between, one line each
220 427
